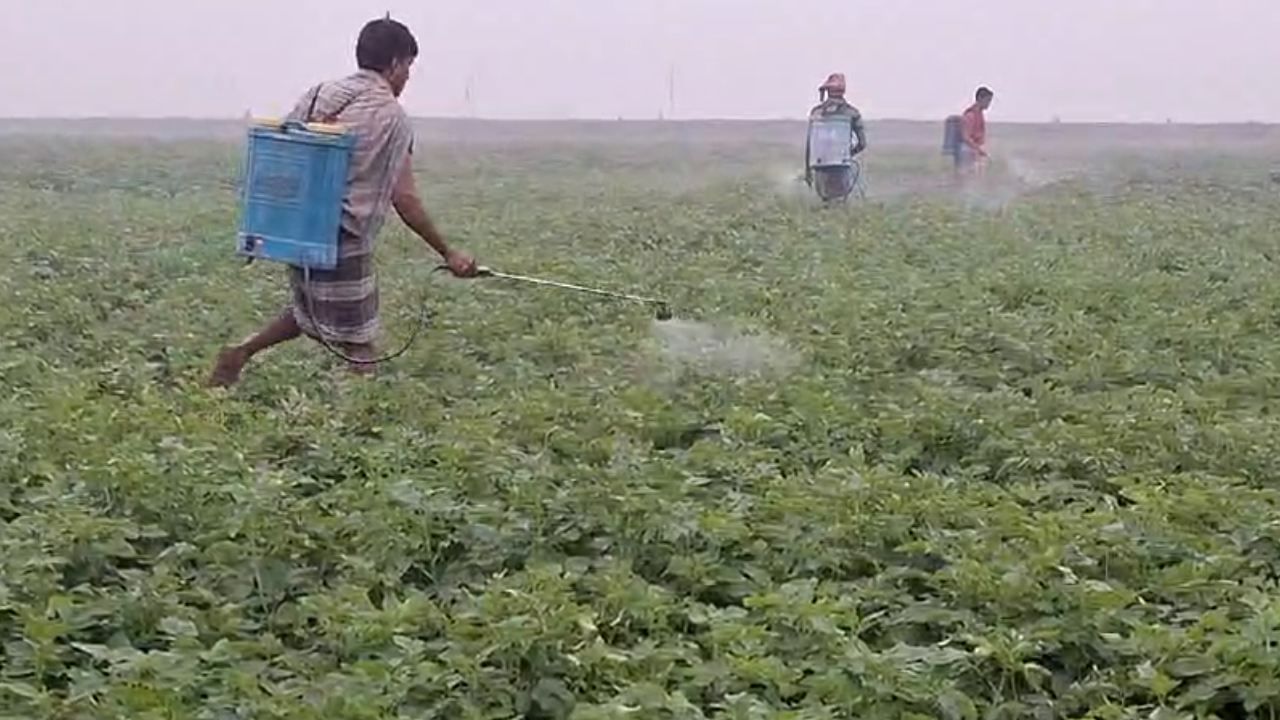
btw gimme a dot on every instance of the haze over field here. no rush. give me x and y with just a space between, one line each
1091 60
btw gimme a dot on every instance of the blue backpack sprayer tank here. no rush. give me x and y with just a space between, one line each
295 178
951 136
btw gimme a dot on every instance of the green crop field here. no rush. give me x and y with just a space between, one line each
1006 453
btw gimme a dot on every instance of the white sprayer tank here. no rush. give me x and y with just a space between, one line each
829 142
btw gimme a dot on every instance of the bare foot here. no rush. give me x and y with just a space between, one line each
362 369
226 371
365 352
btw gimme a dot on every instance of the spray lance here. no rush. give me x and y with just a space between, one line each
662 311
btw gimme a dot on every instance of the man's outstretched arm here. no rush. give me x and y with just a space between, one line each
409 207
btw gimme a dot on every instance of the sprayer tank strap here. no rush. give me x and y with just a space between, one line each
315 96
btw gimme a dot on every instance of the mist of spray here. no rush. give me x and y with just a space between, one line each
1013 177
787 181
681 346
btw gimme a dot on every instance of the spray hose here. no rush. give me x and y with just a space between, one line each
308 307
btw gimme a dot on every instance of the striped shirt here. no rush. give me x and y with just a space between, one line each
365 103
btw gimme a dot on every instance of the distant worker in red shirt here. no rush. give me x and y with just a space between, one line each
971 151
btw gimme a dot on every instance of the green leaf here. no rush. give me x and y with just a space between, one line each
1161 685
97 652
179 627
955 705
553 699
1198 693
1192 666
21 689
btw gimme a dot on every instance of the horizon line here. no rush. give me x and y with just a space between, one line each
653 120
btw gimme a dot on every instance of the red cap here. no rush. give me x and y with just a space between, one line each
834 84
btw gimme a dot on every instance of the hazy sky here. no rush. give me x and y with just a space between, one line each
1192 60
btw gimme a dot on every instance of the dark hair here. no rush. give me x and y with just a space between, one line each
984 92
382 42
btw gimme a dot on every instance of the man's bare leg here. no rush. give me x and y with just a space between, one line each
965 172
232 359
362 351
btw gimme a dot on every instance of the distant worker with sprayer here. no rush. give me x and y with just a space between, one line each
966 135
836 138
339 306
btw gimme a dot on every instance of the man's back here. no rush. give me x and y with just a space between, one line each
365 103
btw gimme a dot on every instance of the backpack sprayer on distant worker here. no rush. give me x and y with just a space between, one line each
291 210
831 155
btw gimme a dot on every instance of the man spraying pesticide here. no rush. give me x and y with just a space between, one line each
317 189
359 122
966 136
830 151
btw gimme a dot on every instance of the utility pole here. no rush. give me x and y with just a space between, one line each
671 90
